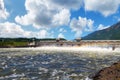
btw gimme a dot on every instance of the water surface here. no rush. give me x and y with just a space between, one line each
23 64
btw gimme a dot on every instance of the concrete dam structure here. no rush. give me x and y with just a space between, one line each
81 43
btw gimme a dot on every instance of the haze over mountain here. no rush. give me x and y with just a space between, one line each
111 33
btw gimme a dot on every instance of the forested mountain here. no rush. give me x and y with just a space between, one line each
111 33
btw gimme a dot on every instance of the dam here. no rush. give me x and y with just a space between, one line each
80 43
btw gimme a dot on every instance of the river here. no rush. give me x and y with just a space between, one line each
53 63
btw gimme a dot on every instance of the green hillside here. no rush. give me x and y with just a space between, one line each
111 33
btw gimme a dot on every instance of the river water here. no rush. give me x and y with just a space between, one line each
43 64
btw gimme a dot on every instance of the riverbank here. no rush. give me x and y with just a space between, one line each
109 73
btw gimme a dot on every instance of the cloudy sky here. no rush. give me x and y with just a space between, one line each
56 18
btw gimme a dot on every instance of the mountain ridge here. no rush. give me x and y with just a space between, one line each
111 33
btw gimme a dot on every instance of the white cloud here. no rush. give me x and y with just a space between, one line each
101 27
62 30
80 25
62 18
61 35
3 13
69 4
44 34
25 20
48 13
10 30
105 7
13 30
117 18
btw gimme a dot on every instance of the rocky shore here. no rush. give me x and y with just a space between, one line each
109 73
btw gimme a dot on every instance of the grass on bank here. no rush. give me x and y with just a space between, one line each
13 44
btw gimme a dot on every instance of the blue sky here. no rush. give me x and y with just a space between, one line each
68 19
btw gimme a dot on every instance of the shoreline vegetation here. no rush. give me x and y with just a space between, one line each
22 42
14 42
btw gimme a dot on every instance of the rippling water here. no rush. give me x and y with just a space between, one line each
21 64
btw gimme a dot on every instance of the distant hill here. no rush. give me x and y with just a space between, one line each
111 33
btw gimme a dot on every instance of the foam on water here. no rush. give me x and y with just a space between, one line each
88 78
51 49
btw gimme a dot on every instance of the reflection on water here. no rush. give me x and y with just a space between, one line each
34 65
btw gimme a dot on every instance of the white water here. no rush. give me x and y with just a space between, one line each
93 52
66 48
69 49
